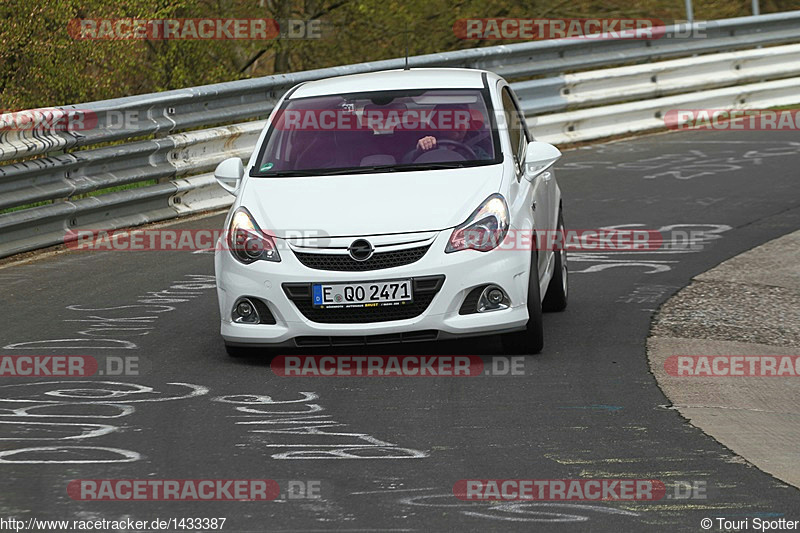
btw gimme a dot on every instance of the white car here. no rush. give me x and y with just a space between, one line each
379 208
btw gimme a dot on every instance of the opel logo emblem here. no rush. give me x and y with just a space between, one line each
361 249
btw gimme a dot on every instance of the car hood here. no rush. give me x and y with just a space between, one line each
369 204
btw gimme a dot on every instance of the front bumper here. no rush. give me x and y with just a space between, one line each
462 271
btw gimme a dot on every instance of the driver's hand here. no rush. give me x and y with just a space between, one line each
426 143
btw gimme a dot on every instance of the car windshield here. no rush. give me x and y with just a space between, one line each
380 131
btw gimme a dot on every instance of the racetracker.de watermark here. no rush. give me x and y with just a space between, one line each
527 29
733 365
260 29
200 239
173 489
50 119
733 119
71 120
567 28
559 489
70 366
379 119
395 366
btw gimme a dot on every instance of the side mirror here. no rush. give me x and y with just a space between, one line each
229 174
539 157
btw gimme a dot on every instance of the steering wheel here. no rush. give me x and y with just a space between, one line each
457 146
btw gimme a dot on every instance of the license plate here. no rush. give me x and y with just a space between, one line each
371 294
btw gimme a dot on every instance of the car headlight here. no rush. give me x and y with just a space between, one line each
247 242
485 228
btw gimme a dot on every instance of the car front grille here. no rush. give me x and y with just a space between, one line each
345 263
424 289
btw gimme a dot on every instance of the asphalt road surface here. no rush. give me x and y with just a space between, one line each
586 407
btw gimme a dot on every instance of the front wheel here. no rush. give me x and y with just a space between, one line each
531 339
555 299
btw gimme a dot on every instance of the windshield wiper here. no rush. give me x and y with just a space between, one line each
289 174
402 167
444 164
328 172
365 170
360 170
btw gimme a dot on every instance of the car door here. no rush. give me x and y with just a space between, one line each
532 194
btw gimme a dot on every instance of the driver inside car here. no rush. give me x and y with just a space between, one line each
458 133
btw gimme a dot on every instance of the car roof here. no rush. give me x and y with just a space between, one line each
417 78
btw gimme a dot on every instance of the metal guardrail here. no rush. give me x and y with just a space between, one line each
643 115
172 111
650 89
597 87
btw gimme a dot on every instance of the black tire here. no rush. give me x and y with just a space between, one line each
555 299
531 339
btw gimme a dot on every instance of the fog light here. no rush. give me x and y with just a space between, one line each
493 298
245 312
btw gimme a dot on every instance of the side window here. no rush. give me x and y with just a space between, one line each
516 126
